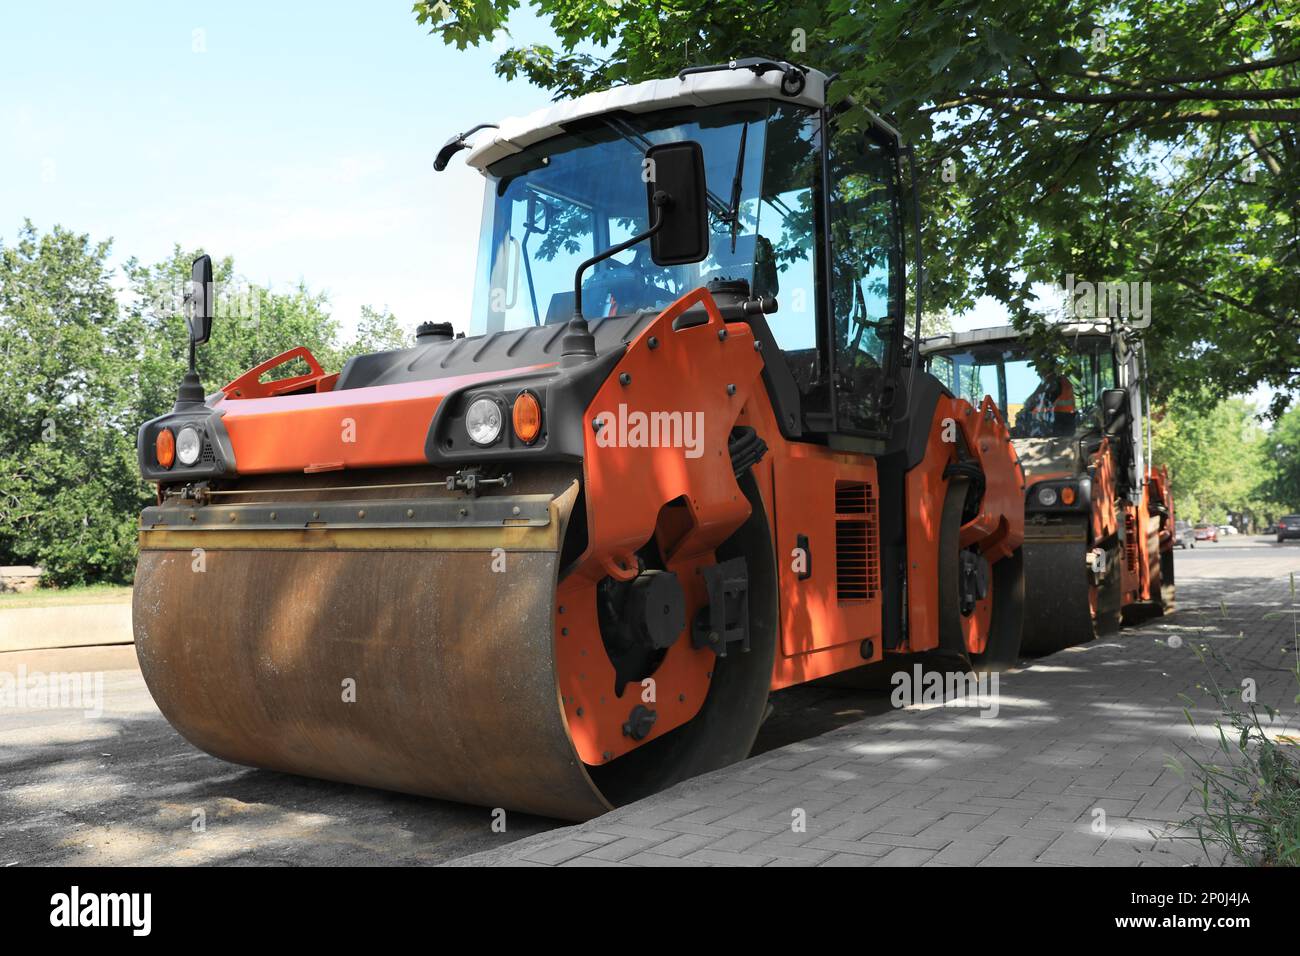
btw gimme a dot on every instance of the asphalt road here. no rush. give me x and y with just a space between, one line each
121 787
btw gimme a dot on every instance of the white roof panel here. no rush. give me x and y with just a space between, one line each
948 340
696 89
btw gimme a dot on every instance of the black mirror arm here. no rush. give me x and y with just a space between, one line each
578 344
661 199
456 144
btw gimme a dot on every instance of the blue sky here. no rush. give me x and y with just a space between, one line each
297 138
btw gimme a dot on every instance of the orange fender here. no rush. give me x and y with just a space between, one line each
637 486
998 529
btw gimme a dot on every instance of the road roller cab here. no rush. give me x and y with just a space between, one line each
679 461
1099 532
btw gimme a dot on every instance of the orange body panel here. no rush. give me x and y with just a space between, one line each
1105 515
813 616
999 527
819 635
1133 577
375 427
1151 534
687 496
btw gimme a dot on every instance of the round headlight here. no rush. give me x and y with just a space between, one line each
483 421
188 445
1047 496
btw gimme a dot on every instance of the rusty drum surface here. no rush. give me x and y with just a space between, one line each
371 652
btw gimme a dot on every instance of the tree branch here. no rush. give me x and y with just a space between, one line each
1153 96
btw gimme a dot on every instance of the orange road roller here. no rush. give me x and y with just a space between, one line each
1099 517
684 458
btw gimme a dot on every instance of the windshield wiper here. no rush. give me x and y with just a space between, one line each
642 142
733 209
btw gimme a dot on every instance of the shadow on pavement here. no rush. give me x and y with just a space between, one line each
128 791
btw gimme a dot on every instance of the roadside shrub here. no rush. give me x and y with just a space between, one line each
1249 788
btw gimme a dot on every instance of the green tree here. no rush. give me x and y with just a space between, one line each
377 331
1283 453
1130 141
82 367
1218 459
68 483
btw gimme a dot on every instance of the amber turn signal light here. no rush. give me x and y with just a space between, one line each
164 447
527 417
1067 496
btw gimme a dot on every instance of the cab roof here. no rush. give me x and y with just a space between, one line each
950 340
693 89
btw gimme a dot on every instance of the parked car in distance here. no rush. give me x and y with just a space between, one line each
1288 526
1228 529
1184 536
1207 532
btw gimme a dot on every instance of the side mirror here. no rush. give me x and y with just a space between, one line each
1115 414
456 144
678 234
449 149
677 172
198 301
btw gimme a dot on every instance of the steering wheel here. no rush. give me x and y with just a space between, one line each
611 279
630 284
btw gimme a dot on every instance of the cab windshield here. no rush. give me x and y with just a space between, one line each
551 207
1039 399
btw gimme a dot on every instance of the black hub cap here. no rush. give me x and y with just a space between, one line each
974 580
639 620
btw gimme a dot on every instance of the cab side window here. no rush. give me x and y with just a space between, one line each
865 256
785 257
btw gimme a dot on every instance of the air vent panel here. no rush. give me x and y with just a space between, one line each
857 543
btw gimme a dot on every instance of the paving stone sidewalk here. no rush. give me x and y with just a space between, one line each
1087 731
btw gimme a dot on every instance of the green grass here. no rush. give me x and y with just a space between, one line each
55 597
1249 788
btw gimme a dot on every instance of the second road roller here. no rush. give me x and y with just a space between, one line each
1099 516
684 458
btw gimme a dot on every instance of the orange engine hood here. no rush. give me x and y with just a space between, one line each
374 427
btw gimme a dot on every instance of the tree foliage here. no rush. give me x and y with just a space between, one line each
1283 452
1220 460
1132 141
67 461
84 364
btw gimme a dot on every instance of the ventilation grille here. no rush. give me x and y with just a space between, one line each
857 542
1131 542
852 498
